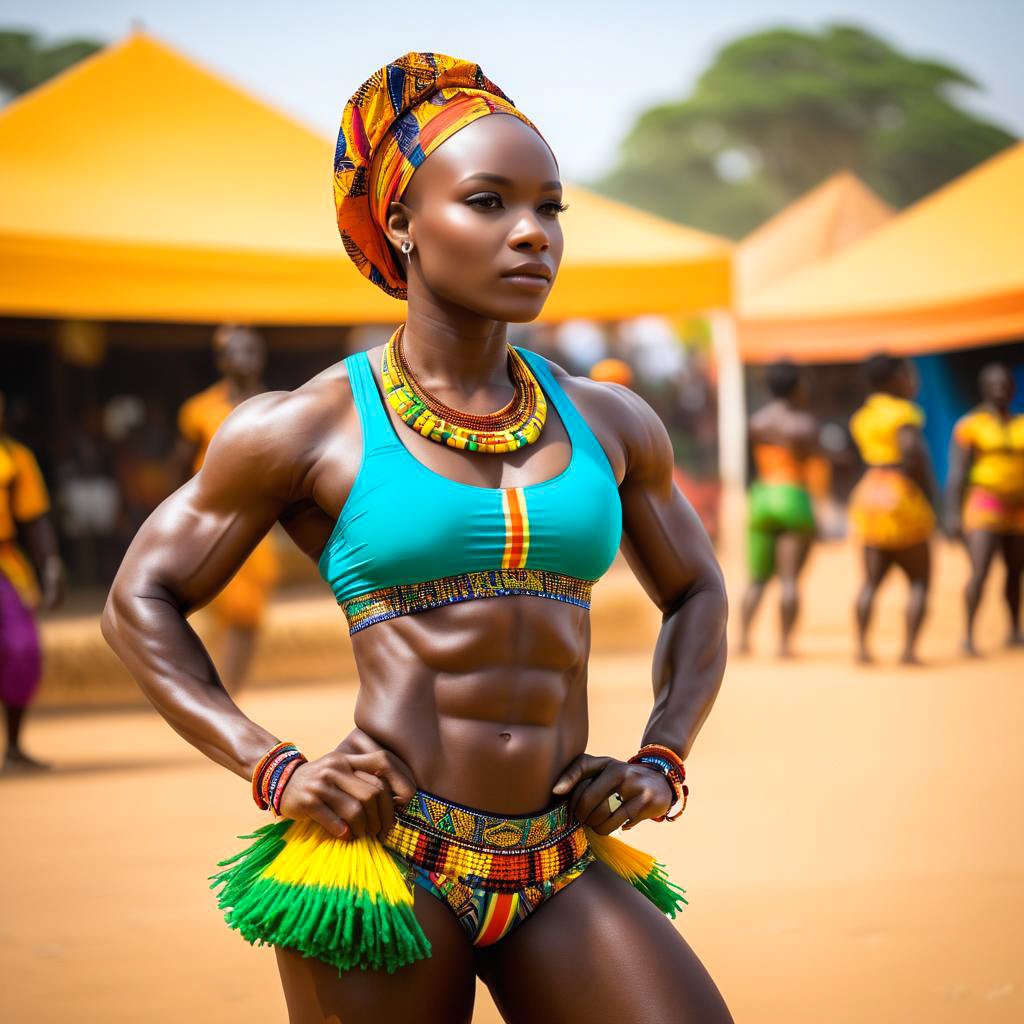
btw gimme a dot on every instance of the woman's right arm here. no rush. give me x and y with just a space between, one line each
917 464
960 458
181 557
257 465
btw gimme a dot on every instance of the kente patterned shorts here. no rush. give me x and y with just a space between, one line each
492 872
350 902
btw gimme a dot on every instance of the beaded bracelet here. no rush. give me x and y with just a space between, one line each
278 789
271 773
670 764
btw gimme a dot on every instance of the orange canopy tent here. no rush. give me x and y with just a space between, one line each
137 185
946 273
839 211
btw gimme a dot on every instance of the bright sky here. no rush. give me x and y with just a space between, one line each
581 69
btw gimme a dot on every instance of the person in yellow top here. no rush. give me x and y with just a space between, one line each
239 607
24 504
892 508
985 492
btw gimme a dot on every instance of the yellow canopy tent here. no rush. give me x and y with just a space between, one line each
839 211
946 273
137 185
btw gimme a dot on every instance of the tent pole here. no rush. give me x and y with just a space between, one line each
732 414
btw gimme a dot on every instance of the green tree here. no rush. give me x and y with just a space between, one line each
25 61
778 111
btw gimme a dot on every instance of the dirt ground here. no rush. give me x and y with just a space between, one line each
852 849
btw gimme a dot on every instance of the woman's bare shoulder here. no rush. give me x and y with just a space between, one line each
630 431
285 429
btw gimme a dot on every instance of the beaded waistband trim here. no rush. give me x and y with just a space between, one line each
409 598
500 854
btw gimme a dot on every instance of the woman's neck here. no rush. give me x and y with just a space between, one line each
456 353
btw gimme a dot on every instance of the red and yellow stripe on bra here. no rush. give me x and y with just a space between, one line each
517 529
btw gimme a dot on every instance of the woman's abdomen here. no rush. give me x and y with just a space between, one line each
485 700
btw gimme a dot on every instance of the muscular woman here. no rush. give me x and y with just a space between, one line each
986 494
463 558
780 525
892 508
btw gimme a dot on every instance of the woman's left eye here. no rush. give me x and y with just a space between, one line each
554 208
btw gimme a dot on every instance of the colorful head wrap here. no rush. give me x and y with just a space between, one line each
395 120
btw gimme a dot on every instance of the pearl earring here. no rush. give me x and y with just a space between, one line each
407 246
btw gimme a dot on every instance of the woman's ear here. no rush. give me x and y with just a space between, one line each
399 225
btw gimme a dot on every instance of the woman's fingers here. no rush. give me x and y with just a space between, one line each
581 767
631 810
362 813
383 800
325 817
346 807
385 765
599 789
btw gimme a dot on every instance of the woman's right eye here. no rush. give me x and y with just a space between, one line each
485 202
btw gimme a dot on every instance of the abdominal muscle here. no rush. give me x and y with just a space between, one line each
485 700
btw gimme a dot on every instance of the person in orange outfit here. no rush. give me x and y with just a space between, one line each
892 508
790 472
986 494
239 607
24 504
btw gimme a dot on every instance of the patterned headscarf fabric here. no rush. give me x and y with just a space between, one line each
392 123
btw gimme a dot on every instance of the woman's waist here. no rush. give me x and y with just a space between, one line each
499 765
1001 472
495 852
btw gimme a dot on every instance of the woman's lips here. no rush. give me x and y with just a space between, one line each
532 282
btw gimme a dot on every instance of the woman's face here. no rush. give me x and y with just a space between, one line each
482 212
996 385
904 380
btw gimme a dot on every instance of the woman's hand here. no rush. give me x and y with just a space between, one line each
645 792
350 794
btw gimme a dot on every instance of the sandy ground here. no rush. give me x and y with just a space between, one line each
852 851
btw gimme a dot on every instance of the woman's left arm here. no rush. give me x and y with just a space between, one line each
668 549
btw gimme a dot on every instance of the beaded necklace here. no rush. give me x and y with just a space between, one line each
518 424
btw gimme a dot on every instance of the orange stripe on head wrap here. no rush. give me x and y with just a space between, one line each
395 120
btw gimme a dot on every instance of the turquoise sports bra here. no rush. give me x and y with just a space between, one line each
409 539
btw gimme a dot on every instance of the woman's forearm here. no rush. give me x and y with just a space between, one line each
152 637
689 662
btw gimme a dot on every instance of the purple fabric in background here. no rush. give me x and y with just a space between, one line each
20 657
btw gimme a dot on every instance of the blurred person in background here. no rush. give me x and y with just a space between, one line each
781 525
612 371
238 610
460 496
88 505
985 494
893 507
24 504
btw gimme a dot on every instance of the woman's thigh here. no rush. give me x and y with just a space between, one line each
438 990
791 553
599 951
916 562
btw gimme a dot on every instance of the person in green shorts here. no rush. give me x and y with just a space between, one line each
780 525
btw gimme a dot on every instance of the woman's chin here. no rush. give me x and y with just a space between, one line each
517 312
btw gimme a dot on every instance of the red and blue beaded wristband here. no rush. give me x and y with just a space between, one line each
670 764
271 774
